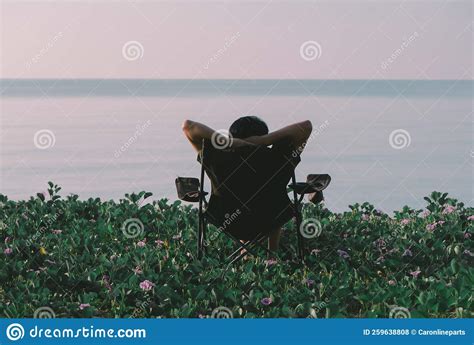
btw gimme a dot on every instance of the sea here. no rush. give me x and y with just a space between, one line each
387 142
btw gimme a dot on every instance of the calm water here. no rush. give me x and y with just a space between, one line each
117 136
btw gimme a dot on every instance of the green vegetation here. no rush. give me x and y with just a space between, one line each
92 258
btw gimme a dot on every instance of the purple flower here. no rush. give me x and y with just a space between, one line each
83 306
425 213
141 243
343 254
468 253
415 274
431 227
380 259
270 262
392 282
440 222
380 243
137 270
309 282
365 217
470 217
56 231
449 209
146 285
8 251
379 212
266 301
159 243
106 281
407 252
405 221
467 235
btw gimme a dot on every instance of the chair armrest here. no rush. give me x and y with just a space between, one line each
302 188
188 189
314 186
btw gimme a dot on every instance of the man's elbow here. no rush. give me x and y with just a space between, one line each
307 127
187 126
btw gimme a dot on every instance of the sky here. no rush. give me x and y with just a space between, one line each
350 39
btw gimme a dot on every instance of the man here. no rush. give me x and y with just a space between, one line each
249 172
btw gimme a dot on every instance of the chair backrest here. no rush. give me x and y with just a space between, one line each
247 168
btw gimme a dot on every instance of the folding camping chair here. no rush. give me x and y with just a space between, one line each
191 189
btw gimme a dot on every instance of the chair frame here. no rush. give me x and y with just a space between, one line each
250 246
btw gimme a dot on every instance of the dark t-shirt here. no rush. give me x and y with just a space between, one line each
249 193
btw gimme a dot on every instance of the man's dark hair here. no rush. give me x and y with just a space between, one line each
248 126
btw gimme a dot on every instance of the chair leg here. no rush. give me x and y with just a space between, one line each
300 236
203 237
298 216
234 253
249 247
200 241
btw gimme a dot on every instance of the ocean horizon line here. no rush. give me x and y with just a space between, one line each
71 87
243 79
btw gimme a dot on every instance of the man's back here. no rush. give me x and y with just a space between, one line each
249 187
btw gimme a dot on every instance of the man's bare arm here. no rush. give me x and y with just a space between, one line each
297 133
196 132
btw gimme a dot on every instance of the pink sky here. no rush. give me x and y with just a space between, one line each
191 40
